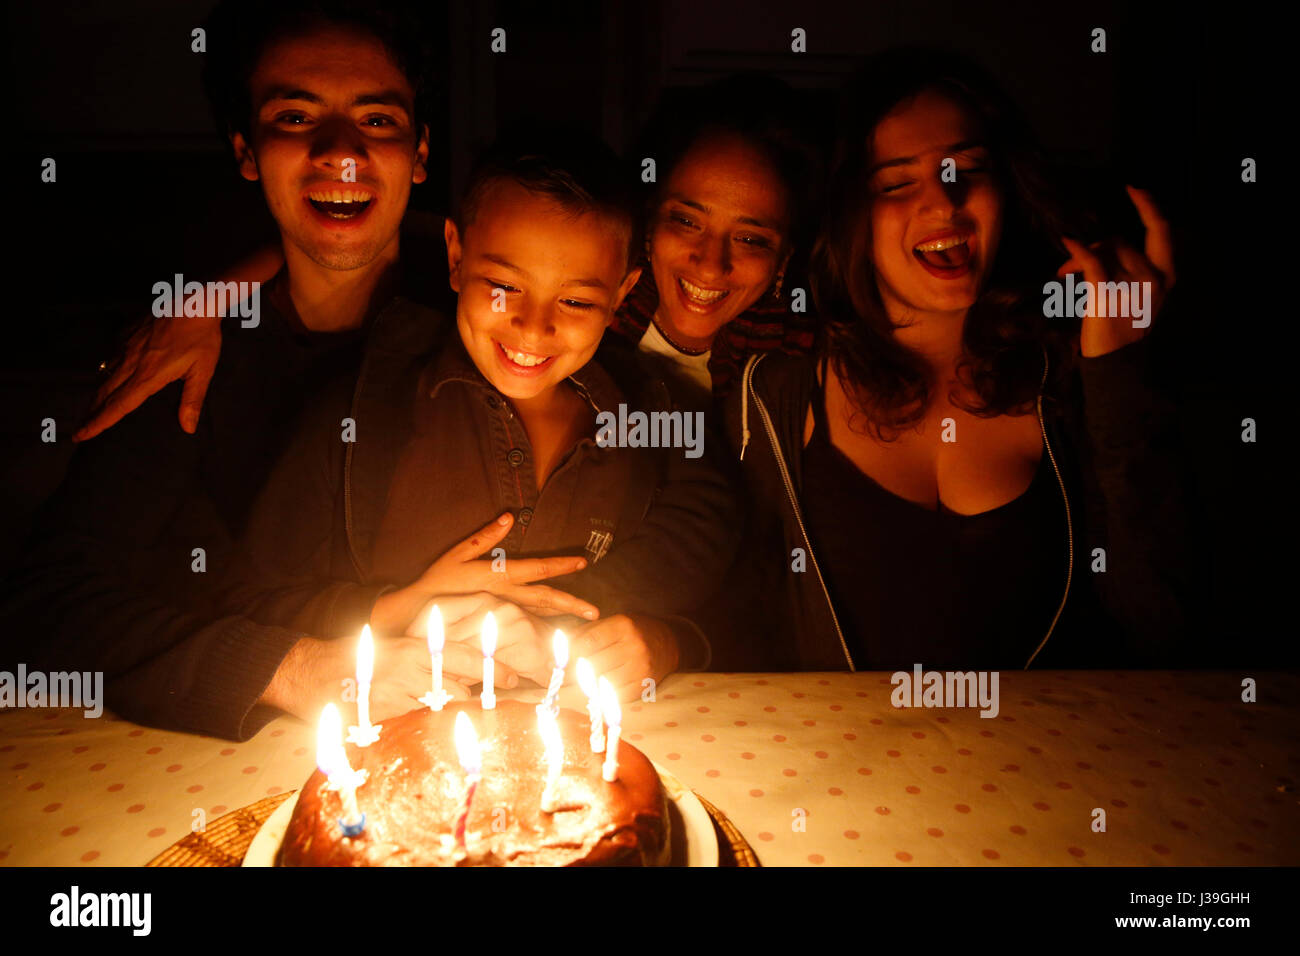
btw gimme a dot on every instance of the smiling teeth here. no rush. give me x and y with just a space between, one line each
702 296
938 245
523 358
339 195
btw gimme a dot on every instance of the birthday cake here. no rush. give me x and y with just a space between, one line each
415 794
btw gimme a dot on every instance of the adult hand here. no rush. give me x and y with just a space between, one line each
626 649
158 353
461 571
1116 261
523 639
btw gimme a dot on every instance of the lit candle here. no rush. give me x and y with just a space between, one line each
587 681
333 762
436 698
613 717
560 650
488 638
365 733
549 729
467 751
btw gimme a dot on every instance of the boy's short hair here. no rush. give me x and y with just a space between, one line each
238 31
574 169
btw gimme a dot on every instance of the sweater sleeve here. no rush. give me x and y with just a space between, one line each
109 582
1138 510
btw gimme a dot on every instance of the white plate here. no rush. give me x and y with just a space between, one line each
701 841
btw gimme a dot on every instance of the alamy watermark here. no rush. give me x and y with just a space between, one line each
194 299
946 689
675 429
1074 300
26 688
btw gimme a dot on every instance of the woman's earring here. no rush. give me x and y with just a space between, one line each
776 290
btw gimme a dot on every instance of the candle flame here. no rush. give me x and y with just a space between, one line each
436 635
330 756
549 730
365 656
560 649
609 704
488 636
467 745
587 678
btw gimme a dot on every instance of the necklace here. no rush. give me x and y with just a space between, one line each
654 319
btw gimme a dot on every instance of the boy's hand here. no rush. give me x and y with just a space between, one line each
626 649
523 639
460 571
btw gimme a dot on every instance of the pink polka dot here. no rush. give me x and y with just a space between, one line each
797 694
989 788
698 683
154 750
228 751
272 791
114 787
912 788
816 858
35 786
218 809
835 792
903 856
837 707
68 831
851 834
939 769
636 708
1074 851
1010 720
810 723
20 766
877 721
1119 803
635 736
756 793
942 720
986 733
963 751
1035 750
824 683
96 767
934 831
708 738
673 756
747 756
173 768
195 788
1160 848
733 695
765 836
821 755
883 811
135 808
779 738
157 831
790 773
893 753
850 736
990 854
742 723
88 857
865 771
702 710
762 682
277 733
80 750
1042 806
1012 768
51 807
1062 785
961 808
918 735
713 773
136 733
1018 830
250 770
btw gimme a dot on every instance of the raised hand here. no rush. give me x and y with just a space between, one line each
1117 261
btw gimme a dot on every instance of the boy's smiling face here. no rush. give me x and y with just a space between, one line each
538 284
320 99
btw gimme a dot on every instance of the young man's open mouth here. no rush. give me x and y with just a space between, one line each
946 255
338 205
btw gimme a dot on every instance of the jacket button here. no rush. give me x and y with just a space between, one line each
494 403
525 515
515 457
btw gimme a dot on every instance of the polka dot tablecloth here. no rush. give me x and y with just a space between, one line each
814 769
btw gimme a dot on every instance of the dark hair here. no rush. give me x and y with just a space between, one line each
574 169
760 110
239 31
1004 332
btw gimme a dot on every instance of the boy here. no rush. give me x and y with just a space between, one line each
455 425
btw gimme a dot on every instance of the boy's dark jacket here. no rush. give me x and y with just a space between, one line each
1113 446
309 553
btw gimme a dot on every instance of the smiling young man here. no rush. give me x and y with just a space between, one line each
325 106
501 421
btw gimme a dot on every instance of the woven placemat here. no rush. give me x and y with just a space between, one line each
225 842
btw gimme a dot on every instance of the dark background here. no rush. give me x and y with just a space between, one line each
145 189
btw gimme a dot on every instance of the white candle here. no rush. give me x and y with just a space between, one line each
549 730
587 681
488 639
333 762
436 698
614 718
365 733
560 651
467 751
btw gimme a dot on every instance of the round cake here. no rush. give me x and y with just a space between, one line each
415 791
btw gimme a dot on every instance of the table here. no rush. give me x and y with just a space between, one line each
814 769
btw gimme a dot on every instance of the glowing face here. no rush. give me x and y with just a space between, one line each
719 238
320 100
933 242
538 286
